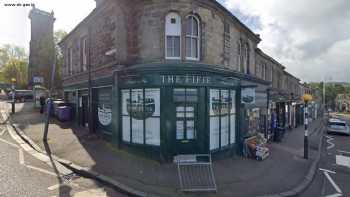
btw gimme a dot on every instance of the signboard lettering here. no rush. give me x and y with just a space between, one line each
185 79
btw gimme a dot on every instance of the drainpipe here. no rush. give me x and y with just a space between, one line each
90 120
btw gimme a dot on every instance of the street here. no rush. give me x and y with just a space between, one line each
332 178
21 174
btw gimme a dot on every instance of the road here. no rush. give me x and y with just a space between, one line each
332 178
21 174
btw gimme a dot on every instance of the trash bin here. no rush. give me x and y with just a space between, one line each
64 113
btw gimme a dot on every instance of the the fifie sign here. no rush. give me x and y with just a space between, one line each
185 79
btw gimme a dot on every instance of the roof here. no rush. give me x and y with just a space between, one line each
259 51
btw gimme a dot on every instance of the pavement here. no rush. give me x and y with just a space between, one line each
284 170
25 172
332 177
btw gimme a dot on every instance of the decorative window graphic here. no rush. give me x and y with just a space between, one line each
248 95
141 116
222 118
104 115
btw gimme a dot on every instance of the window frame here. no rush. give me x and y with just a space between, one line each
220 116
130 141
191 36
70 61
84 53
170 15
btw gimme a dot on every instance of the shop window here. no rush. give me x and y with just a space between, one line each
172 36
186 101
192 38
141 116
222 118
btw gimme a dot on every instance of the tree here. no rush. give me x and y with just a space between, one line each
58 36
14 64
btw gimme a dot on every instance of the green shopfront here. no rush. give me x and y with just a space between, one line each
166 110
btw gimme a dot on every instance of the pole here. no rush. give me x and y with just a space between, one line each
13 97
306 141
49 100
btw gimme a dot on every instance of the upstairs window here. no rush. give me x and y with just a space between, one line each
247 58
84 56
70 61
240 59
192 38
172 36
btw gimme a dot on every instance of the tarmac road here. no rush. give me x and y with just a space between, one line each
21 174
332 178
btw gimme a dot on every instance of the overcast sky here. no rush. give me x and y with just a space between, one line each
311 38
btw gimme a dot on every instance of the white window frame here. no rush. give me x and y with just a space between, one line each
191 36
70 61
240 56
84 47
169 31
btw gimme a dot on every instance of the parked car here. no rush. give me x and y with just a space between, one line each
338 126
21 95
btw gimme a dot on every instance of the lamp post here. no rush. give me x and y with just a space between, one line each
13 80
306 98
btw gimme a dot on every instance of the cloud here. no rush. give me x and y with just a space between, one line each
311 38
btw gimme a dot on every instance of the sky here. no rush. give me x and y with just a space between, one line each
310 38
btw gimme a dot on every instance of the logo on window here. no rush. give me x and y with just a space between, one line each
140 108
104 115
222 106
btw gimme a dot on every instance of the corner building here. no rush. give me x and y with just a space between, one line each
168 77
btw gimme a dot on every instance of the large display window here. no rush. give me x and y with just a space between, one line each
222 116
141 116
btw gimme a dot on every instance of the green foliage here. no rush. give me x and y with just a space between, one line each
58 36
331 91
13 64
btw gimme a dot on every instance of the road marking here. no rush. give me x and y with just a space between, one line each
335 186
341 151
325 170
9 143
2 132
53 187
41 170
342 160
21 156
331 145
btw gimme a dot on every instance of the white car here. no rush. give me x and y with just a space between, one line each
337 126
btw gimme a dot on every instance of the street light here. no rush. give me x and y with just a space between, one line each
13 80
307 98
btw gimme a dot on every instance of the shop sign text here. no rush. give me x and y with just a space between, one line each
185 79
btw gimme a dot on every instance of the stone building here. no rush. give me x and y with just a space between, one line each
41 49
169 77
342 102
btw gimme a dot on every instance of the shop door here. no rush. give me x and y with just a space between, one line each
186 117
85 111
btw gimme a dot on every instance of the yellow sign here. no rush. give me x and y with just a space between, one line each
307 97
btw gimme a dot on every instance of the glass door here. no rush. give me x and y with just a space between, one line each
186 116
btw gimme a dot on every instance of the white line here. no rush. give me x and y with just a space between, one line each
331 145
2 132
325 170
9 143
41 170
55 187
332 182
335 195
341 151
21 156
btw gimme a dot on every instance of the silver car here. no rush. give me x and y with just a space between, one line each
338 126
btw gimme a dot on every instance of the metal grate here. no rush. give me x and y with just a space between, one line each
195 173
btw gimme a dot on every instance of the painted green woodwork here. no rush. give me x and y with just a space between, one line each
166 77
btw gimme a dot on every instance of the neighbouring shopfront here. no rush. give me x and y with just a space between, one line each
178 109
